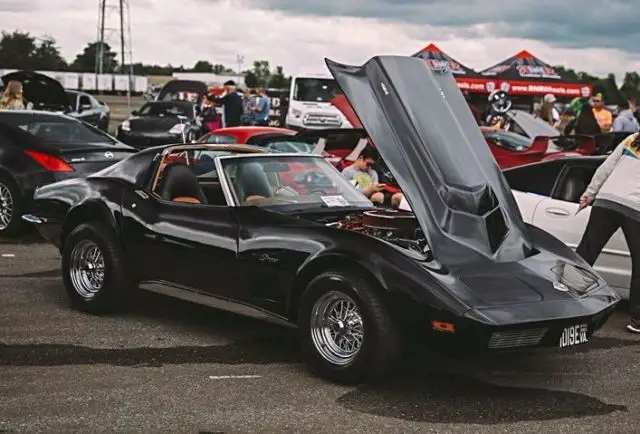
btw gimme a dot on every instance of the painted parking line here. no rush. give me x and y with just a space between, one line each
8 255
233 377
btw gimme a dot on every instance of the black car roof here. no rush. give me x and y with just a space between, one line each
185 104
35 113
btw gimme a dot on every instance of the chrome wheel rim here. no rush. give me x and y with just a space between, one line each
86 268
6 207
337 328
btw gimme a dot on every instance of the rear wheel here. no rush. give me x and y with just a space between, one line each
93 269
346 332
10 207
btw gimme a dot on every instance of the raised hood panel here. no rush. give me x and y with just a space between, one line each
44 92
424 130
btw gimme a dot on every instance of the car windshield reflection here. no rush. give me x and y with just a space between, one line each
289 182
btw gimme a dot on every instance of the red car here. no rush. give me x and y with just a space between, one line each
531 140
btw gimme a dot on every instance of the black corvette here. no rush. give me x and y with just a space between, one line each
161 123
285 237
38 148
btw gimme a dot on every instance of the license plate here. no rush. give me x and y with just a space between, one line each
574 335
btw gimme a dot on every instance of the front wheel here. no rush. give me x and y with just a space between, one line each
346 331
93 269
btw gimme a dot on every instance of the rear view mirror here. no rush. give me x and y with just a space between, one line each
134 113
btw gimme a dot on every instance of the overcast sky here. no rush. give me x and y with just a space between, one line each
592 35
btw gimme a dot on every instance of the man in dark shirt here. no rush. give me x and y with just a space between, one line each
231 104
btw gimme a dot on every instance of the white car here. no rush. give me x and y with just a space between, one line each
548 194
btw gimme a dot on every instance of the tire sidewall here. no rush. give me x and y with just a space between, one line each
338 281
16 197
110 291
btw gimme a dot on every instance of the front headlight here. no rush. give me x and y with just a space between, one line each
177 129
296 113
125 126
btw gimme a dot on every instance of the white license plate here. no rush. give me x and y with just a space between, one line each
574 335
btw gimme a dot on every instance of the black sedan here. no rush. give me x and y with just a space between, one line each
161 123
286 237
38 148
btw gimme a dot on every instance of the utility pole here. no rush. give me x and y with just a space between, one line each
106 31
240 63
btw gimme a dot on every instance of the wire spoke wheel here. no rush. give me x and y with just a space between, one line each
86 268
6 206
337 329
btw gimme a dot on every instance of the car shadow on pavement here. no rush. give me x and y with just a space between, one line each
438 397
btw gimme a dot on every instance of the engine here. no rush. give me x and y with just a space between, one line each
398 227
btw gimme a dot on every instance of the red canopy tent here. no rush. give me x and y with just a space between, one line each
467 78
525 74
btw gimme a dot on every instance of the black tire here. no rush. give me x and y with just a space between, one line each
16 225
116 285
381 345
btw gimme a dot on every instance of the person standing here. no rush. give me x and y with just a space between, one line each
248 104
602 115
231 104
12 98
548 111
615 194
626 122
262 108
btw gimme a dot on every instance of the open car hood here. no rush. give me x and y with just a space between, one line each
531 125
44 92
422 127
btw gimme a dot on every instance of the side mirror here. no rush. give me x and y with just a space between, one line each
134 113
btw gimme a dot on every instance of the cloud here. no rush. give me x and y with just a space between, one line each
573 23
299 35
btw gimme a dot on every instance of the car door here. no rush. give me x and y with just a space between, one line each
87 111
181 245
557 215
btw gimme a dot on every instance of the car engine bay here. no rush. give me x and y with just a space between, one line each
397 227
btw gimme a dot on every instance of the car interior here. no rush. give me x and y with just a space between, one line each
189 178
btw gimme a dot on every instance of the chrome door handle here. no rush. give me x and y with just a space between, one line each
557 212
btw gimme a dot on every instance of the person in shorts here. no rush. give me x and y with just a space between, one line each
363 177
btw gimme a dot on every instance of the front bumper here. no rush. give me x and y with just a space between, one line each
530 325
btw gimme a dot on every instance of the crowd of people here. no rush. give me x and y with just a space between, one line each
238 107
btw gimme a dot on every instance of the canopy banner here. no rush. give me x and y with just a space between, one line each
567 90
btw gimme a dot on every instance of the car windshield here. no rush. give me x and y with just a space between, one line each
315 89
509 140
164 109
57 129
289 183
294 147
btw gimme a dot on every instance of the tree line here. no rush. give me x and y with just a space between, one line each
21 50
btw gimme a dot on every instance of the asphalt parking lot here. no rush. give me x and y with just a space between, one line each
168 366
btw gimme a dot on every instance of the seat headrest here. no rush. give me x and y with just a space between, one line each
181 182
252 181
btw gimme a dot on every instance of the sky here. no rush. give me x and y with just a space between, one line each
590 35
